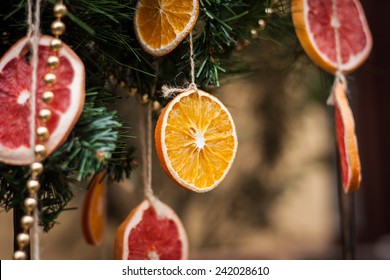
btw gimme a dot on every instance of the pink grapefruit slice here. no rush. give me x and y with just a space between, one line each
151 232
94 211
346 140
322 25
15 94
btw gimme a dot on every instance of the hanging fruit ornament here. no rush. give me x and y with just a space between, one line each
94 210
42 95
336 36
161 25
152 231
196 140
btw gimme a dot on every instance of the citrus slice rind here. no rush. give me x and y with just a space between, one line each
151 231
196 140
160 25
346 140
315 27
93 216
15 85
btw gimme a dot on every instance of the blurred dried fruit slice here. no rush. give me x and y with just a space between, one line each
316 22
161 25
151 232
15 93
346 140
94 210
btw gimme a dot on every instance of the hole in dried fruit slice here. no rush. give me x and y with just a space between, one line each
161 25
315 23
346 140
196 140
151 232
15 85
94 210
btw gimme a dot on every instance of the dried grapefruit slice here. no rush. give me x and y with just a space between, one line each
161 25
151 232
346 140
322 25
15 84
94 211
196 140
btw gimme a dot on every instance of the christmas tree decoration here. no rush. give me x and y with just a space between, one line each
93 216
196 140
161 25
152 231
346 140
334 33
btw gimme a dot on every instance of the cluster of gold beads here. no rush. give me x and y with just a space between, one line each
42 134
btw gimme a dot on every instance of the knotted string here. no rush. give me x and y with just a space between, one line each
33 34
168 92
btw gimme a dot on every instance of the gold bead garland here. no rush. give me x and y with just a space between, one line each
42 134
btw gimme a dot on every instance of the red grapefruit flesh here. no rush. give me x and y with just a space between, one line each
15 93
94 211
320 24
346 140
151 232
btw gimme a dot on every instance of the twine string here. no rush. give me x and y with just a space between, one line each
168 92
33 34
146 150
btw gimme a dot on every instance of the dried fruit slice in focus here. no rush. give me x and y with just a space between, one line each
151 232
15 87
196 140
94 210
346 140
315 26
161 25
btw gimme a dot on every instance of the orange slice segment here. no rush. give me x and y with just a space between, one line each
94 211
196 140
151 232
316 22
346 140
161 25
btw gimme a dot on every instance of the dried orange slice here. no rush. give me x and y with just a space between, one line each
15 93
151 232
161 25
196 140
346 140
322 25
93 217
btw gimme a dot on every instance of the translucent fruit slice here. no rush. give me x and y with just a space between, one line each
94 211
151 232
196 140
15 94
346 140
161 25
316 23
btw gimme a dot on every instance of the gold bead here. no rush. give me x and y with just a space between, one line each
40 151
33 186
47 97
26 222
23 239
57 27
42 133
269 11
156 105
44 115
254 33
30 204
145 99
36 168
20 255
53 61
133 91
55 45
262 24
50 79
59 10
